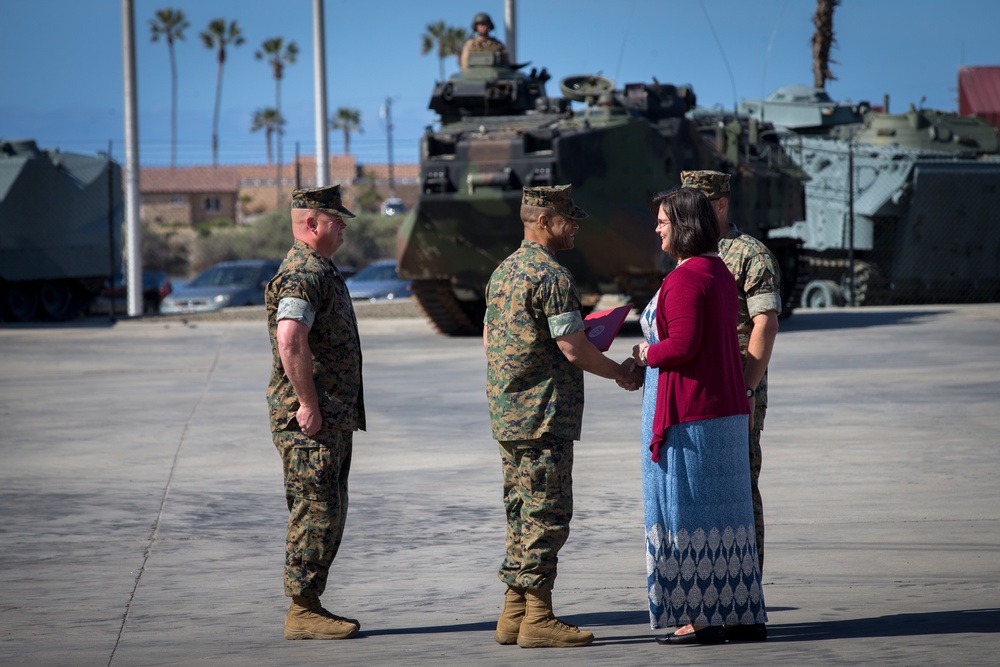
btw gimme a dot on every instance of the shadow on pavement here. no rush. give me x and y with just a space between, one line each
896 625
89 322
837 318
481 626
606 618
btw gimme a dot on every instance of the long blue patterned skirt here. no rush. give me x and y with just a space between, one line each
701 551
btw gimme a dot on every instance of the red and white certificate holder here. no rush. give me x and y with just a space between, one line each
602 327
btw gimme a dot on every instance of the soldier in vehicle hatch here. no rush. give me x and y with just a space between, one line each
482 42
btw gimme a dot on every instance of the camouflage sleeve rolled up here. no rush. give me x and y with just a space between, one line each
531 387
762 285
309 278
758 277
304 288
560 303
300 310
758 282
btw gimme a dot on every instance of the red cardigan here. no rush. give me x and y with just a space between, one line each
698 356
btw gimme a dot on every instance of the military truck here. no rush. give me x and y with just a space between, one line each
919 189
500 131
60 230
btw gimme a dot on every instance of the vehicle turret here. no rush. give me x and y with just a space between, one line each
499 131
927 129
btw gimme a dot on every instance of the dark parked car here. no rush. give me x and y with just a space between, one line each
239 283
378 281
155 287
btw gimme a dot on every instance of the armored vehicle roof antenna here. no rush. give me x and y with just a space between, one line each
770 45
732 81
628 27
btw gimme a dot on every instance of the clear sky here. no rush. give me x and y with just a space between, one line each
61 62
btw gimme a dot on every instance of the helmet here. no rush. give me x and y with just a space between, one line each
481 17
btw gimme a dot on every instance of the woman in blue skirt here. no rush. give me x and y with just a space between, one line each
701 554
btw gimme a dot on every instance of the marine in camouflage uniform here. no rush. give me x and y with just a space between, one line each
482 42
758 281
535 393
314 413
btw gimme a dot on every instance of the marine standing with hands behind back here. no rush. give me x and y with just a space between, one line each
758 282
316 402
536 352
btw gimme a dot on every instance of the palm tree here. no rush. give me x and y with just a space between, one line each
822 42
348 120
277 55
455 40
271 122
170 23
449 42
217 37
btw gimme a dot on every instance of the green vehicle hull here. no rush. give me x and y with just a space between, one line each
499 132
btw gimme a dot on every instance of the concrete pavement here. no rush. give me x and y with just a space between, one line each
142 515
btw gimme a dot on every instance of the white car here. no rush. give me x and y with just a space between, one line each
393 206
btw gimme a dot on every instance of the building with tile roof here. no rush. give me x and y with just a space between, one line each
190 195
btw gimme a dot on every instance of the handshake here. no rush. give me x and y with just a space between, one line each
631 375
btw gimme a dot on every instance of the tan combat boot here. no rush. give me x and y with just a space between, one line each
510 620
541 629
306 619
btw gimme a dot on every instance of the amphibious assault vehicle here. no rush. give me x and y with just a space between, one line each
500 131
920 190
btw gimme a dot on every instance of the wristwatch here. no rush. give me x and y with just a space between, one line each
750 392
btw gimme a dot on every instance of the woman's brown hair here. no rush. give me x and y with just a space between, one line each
694 229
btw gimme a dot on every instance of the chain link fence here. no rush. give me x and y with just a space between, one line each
889 225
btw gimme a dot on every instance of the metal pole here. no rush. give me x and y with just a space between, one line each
277 171
133 232
510 28
112 273
388 130
319 86
850 222
298 167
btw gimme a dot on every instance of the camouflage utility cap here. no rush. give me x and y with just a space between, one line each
321 199
557 197
714 184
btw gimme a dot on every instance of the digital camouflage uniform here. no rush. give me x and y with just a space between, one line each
480 44
535 399
758 281
315 468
